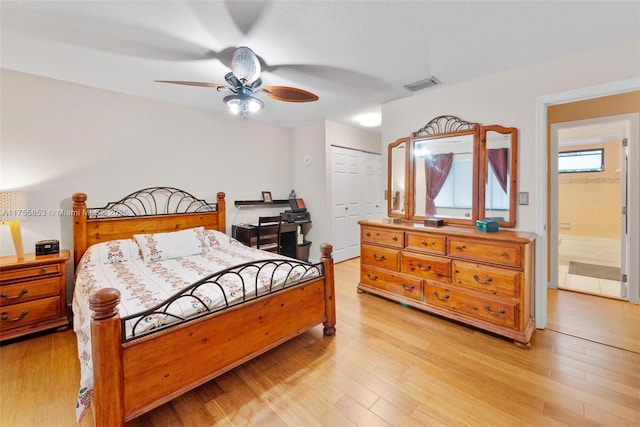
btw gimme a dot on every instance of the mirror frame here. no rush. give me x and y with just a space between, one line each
473 131
451 126
513 168
390 210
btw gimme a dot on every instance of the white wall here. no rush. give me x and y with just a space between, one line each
509 99
60 138
312 181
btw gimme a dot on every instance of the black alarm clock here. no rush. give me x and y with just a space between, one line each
47 247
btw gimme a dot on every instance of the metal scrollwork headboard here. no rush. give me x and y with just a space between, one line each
153 201
444 124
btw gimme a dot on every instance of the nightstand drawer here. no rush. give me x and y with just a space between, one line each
29 290
25 273
380 257
16 315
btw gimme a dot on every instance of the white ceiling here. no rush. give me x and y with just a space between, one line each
355 55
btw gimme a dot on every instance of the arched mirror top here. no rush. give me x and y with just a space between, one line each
454 170
444 125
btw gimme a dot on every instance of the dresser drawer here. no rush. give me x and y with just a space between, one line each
384 237
407 287
25 273
500 311
380 257
498 281
29 290
426 243
428 267
498 252
16 315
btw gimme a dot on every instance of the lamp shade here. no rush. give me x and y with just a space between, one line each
11 205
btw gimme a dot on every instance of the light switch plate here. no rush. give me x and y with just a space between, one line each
523 198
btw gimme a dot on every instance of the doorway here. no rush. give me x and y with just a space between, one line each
620 97
590 231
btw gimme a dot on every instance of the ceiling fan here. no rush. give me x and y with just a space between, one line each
244 82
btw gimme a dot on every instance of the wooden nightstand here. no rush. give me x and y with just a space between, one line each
32 294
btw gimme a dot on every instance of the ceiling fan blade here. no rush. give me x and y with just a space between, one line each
202 84
289 94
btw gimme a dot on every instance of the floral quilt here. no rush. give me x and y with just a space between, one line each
145 281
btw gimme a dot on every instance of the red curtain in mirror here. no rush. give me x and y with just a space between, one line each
499 162
437 167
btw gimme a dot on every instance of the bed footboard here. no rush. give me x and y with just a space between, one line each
134 377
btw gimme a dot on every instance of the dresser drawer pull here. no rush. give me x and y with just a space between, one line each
407 287
460 248
372 276
5 318
367 234
424 243
444 298
482 282
379 258
420 267
504 254
43 270
500 312
394 238
5 296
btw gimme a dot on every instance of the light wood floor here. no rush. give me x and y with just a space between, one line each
387 365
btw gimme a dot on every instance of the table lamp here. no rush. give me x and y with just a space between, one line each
11 205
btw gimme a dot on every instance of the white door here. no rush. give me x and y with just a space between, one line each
357 194
346 206
374 206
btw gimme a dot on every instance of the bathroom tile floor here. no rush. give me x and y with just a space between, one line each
589 285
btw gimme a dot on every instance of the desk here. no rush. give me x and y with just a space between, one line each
248 233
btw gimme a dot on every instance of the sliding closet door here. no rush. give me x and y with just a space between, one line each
357 194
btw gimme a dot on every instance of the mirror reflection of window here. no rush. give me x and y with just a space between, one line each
453 198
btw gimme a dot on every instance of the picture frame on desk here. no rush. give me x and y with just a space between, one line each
266 197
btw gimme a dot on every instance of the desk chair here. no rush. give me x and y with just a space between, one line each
269 233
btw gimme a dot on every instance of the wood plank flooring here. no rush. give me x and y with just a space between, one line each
388 365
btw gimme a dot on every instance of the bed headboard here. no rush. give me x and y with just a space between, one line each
151 210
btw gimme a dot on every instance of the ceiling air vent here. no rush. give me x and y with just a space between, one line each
422 84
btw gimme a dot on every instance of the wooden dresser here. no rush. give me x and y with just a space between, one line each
32 294
482 279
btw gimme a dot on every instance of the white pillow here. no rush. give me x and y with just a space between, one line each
175 244
114 251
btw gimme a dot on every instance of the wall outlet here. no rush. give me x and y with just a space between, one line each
523 198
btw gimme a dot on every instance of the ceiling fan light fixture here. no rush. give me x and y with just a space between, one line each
242 104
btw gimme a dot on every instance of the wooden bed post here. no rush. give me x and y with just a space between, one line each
222 211
329 300
79 226
106 351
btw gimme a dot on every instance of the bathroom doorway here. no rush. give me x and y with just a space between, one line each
591 181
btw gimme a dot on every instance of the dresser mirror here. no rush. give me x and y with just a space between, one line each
454 170
498 174
397 185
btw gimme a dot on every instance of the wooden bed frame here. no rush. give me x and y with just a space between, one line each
134 377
